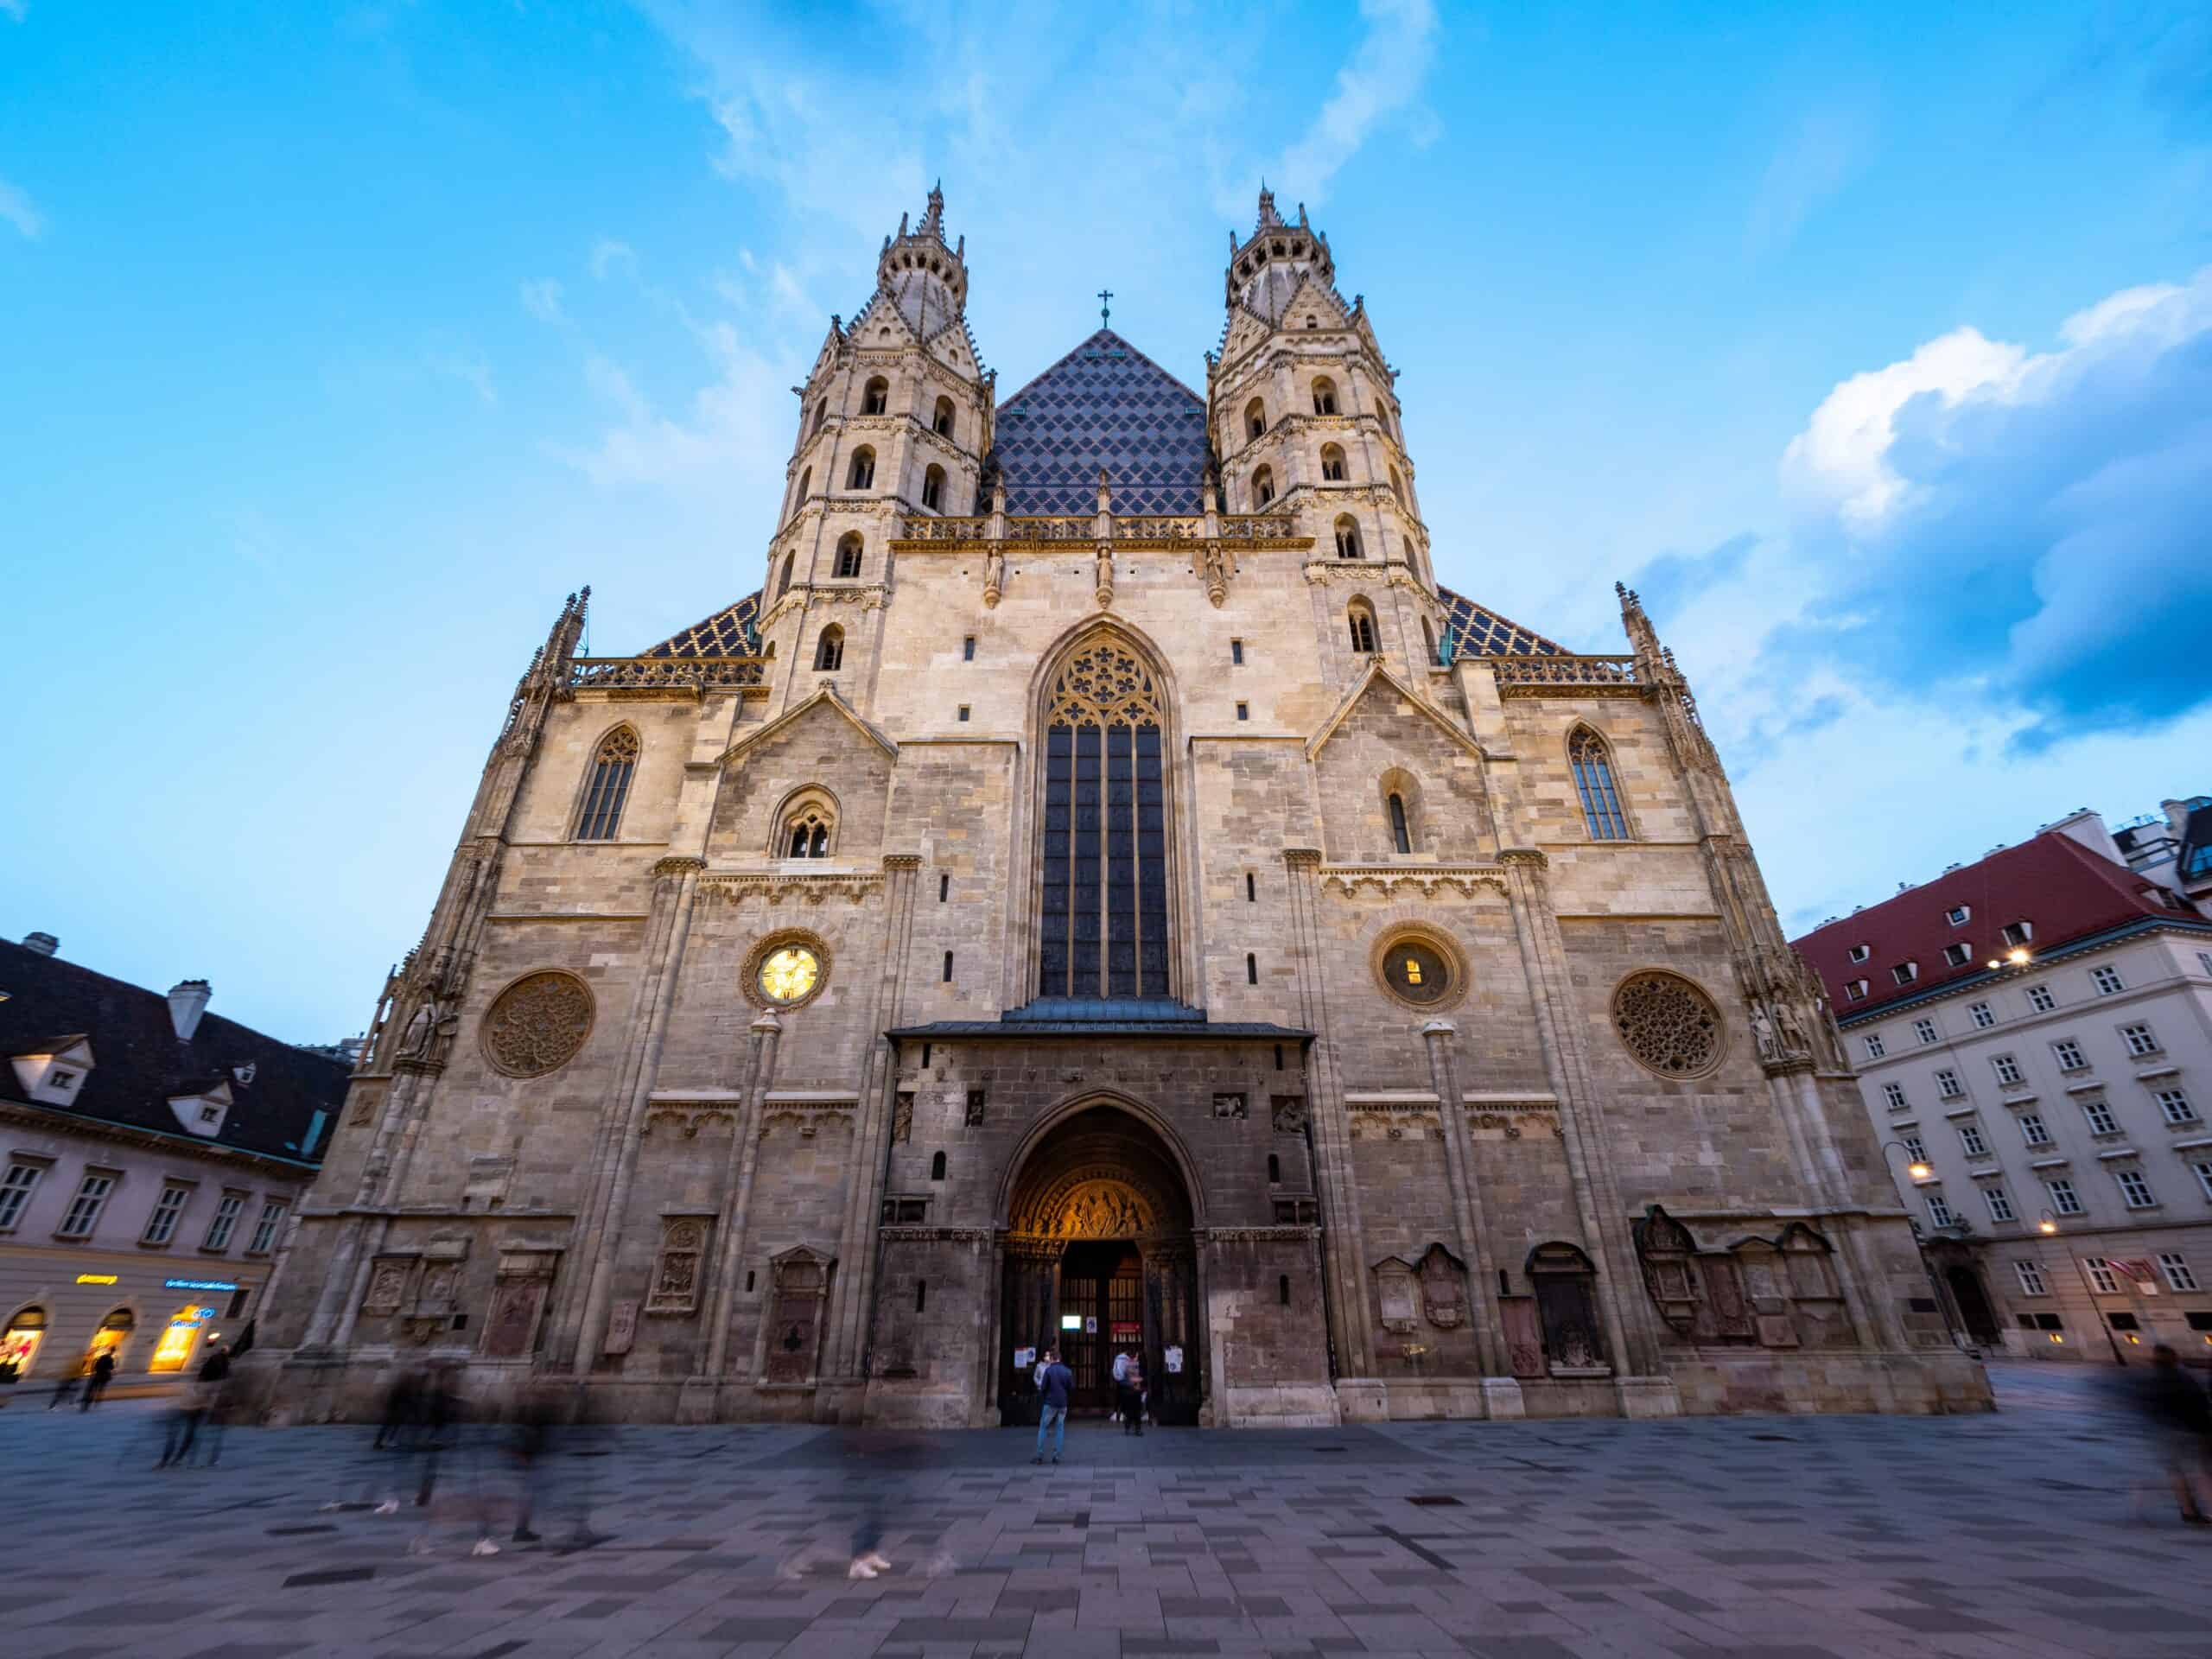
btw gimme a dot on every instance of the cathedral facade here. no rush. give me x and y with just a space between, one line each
1102 892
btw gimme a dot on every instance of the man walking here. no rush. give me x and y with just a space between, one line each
95 1385
1053 1419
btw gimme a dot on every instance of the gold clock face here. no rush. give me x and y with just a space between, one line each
789 975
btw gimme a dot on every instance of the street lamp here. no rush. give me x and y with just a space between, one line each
2046 1223
2015 957
1918 1169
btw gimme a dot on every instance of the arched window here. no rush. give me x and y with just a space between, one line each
1402 834
940 423
805 489
862 476
1382 420
937 1167
820 414
1263 488
808 832
1333 464
1428 633
1397 485
933 489
1347 538
1362 628
783 581
611 769
1256 419
876 399
1102 922
1325 396
848 554
1593 783
1251 968
830 649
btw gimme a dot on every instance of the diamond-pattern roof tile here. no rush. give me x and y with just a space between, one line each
1104 405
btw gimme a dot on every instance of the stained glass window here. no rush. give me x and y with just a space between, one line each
610 786
1103 910
1593 782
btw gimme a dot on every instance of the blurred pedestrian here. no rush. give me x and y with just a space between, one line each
1121 1373
1055 1383
96 1384
402 1404
192 1407
215 1380
1132 1408
2180 1417
65 1386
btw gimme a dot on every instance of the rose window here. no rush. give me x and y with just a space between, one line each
1667 1024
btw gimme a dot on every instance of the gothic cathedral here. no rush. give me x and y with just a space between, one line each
1100 892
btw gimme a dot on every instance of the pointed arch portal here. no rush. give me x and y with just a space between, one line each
1099 1260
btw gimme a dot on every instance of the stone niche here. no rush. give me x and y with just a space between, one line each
1779 1292
791 1337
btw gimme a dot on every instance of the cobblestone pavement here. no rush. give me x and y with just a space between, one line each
2037 1531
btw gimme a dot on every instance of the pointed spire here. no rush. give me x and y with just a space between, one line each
1268 218
1643 637
933 220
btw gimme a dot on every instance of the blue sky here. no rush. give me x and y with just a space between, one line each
336 346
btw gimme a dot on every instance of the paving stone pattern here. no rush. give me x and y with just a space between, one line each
2034 1532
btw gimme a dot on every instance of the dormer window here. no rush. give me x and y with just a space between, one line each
2018 934
204 1112
1959 915
1855 991
1905 972
1860 953
55 1075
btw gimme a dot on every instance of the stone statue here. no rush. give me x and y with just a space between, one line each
1763 1032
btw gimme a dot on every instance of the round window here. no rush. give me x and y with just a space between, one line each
1416 972
789 974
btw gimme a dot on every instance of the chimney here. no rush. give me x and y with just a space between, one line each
187 1002
41 944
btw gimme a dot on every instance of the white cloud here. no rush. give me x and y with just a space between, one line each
15 207
542 299
607 253
1384 77
1822 152
472 370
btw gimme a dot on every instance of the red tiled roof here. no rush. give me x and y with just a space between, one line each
2053 882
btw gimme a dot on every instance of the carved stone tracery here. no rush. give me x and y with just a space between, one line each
537 1024
1667 1024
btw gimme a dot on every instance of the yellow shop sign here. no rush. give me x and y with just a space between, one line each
95 1278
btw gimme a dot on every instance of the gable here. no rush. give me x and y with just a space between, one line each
1384 740
1104 406
819 746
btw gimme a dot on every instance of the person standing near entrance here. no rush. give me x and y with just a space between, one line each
1053 1419
96 1384
1132 1392
1122 1363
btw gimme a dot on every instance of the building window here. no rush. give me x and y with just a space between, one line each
944 887
1875 1047
805 487
2034 1130
937 1167
2135 1188
1401 835
2062 1197
2000 1207
2140 1039
820 414
1347 539
1282 1289
1251 968
2204 961
1237 653
161 1226
1324 395
2202 1168
784 581
1263 488
612 769
1244 711
2102 1279
1959 915
2176 1268
84 1212
2041 1000
1970 1141
2106 980
226 1221
2102 1120
964 713
2018 933
1362 621
968 649
1251 888
948 968
1256 419
2031 1281
2067 1053
1591 764
861 475
830 649
1980 1014
1905 972
1893 1093
1916 1149
848 554
1855 991
1333 464
264 1231
16 1193
876 399
1957 955
1102 930
1940 1212
1947 1086
1924 1029
2007 1068
942 423
933 489
807 834
2174 1106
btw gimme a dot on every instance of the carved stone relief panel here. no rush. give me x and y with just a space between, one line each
1443 1288
1396 1295
387 1287
677 1266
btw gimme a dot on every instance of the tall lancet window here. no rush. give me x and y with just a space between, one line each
1593 782
1103 930
609 786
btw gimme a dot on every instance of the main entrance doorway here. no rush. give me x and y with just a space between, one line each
1099 1261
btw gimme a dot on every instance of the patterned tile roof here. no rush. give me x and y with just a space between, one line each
728 633
1104 405
1476 632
